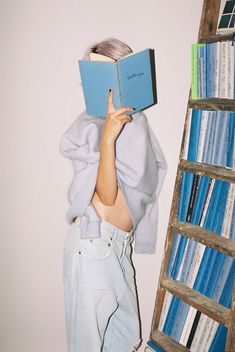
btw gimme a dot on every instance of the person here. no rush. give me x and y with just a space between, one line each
113 202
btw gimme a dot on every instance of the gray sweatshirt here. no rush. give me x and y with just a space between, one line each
140 169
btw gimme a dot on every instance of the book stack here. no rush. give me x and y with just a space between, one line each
213 70
208 203
210 137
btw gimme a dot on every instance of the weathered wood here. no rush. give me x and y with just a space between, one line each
208 238
195 299
207 34
160 295
213 38
209 18
167 343
212 104
230 340
203 169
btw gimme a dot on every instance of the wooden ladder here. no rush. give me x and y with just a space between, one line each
205 305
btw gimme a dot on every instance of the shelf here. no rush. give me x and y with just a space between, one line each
197 300
209 307
203 169
212 38
167 343
212 104
208 238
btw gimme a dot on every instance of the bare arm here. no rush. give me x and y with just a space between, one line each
106 184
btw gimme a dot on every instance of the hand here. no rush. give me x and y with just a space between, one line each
115 120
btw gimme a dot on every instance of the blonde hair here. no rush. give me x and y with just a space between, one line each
111 47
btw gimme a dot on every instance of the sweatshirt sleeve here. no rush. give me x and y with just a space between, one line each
80 144
146 230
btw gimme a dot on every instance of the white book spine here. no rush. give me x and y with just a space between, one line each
228 212
165 308
187 133
178 277
217 71
188 326
207 325
198 334
230 71
223 76
211 334
202 136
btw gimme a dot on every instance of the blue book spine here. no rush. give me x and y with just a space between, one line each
186 186
208 224
155 347
229 160
219 124
219 341
232 229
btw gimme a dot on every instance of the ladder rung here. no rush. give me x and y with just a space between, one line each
199 301
214 171
212 103
208 238
167 343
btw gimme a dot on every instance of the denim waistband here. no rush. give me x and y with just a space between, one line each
114 230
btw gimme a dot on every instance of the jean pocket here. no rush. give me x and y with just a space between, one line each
95 248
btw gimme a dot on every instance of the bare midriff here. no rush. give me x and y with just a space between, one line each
117 214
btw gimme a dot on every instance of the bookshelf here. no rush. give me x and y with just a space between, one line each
210 239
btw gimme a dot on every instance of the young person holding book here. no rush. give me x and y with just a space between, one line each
118 173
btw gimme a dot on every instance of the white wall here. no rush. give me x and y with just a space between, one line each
41 96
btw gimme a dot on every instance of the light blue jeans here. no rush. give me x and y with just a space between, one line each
101 306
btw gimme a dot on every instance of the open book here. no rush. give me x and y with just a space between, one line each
132 80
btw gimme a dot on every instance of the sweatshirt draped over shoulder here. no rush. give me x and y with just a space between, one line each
140 169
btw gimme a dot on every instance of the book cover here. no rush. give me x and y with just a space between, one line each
132 80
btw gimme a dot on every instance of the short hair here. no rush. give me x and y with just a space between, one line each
111 47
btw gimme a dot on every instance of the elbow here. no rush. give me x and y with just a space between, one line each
108 202
107 199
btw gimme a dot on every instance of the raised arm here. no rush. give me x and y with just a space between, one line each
106 184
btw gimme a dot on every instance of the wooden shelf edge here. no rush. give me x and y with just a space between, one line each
212 104
218 37
197 300
167 343
203 169
208 238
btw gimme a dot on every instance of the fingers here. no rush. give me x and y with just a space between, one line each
119 111
110 101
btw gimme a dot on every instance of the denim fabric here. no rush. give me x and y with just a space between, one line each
101 306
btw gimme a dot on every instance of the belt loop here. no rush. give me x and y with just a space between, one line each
128 235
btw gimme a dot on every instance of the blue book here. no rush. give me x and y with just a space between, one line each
210 275
185 195
232 229
155 347
229 161
185 191
219 341
131 78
